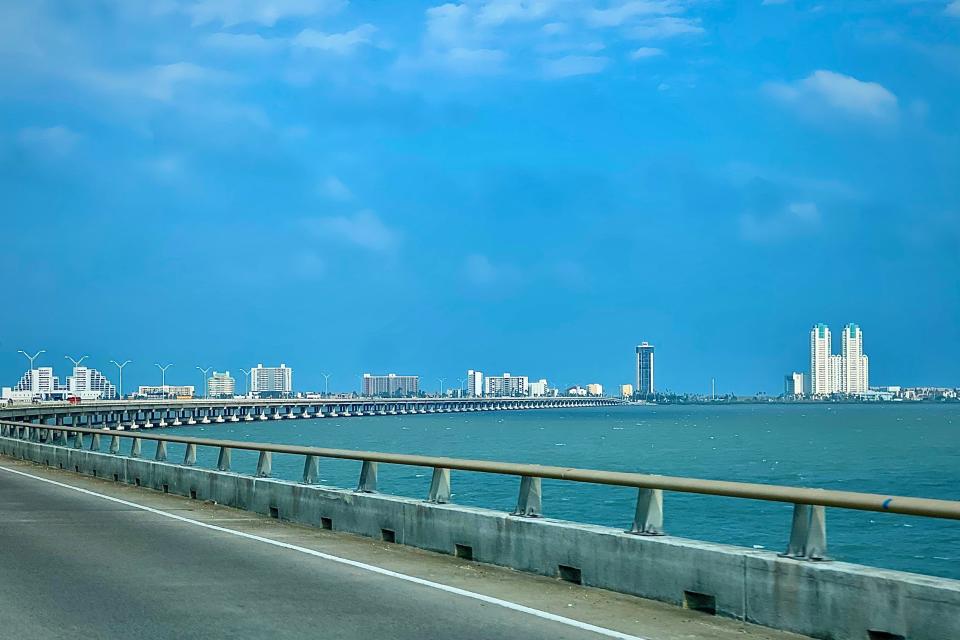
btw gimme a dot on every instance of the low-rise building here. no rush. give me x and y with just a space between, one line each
793 385
626 391
390 385
506 386
594 389
221 385
165 391
538 388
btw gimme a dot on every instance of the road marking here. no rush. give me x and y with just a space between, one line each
506 604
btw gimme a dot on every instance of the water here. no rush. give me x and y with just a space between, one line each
911 450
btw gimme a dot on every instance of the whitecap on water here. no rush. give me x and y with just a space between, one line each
559 444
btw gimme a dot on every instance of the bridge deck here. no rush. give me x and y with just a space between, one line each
112 560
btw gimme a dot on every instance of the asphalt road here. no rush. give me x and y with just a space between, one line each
84 557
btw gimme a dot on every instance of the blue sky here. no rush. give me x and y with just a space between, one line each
523 186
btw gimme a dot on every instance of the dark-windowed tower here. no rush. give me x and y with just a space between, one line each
644 370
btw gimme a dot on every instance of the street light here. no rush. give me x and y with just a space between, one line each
246 381
204 379
462 380
163 377
33 357
76 363
120 367
326 384
441 385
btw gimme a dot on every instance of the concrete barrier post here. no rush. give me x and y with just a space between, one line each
311 467
135 445
530 498
264 464
95 442
440 486
648 519
161 451
223 460
190 455
368 477
114 445
808 533
78 441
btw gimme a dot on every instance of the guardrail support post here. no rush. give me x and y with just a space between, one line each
161 451
78 441
368 477
529 501
648 520
95 442
135 448
440 486
114 443
223 460
311 466
264 464
190 455
808 533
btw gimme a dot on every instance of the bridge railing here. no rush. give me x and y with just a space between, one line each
807 534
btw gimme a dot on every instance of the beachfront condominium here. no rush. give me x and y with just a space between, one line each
506 386
221 385
90 383
855 378
271 382
474 383
846 372
645 370
390 385
793 384
821 382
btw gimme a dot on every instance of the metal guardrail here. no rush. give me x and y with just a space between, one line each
808 530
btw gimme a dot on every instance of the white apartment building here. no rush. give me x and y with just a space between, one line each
390 385
594 389
855 379
538 388
793 384
90 383
821 347
39 381
506 386
271 381
474 383
221 385
836 374
166 391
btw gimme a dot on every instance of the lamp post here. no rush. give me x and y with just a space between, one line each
120 367
76 363
204 371
246 381
326 384
163 378
441 380
34 380
33 357
462 380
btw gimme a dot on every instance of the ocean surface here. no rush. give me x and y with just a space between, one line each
897 449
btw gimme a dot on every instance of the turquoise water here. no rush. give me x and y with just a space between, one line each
911 450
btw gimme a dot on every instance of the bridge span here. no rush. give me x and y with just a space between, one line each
135 414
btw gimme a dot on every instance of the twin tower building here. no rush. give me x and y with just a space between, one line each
831 373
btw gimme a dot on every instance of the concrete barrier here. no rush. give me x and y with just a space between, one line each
833 600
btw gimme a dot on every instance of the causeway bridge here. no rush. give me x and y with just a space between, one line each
134 414
116 521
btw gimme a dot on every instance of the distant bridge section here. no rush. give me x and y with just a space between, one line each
134 414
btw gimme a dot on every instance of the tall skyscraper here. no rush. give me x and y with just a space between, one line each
474 383
854 362
271 381
821 381
645 386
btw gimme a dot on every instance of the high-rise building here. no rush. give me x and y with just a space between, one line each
271 381
90 383
538 388
821 380
793 384
221 385
506 385
626 391
39 381
390 385
854 365
645 386
474 383
836 374
594 389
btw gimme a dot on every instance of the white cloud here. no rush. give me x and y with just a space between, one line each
334 188
645 52
826 94
624 12
953 9
665 27
340 43
229 13
574 66
555 28
244 42
797 218
160 82
50 141
497 12
363 229
448 24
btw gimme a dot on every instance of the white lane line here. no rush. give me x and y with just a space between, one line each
506 604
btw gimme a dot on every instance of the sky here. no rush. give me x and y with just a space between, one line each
523 186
